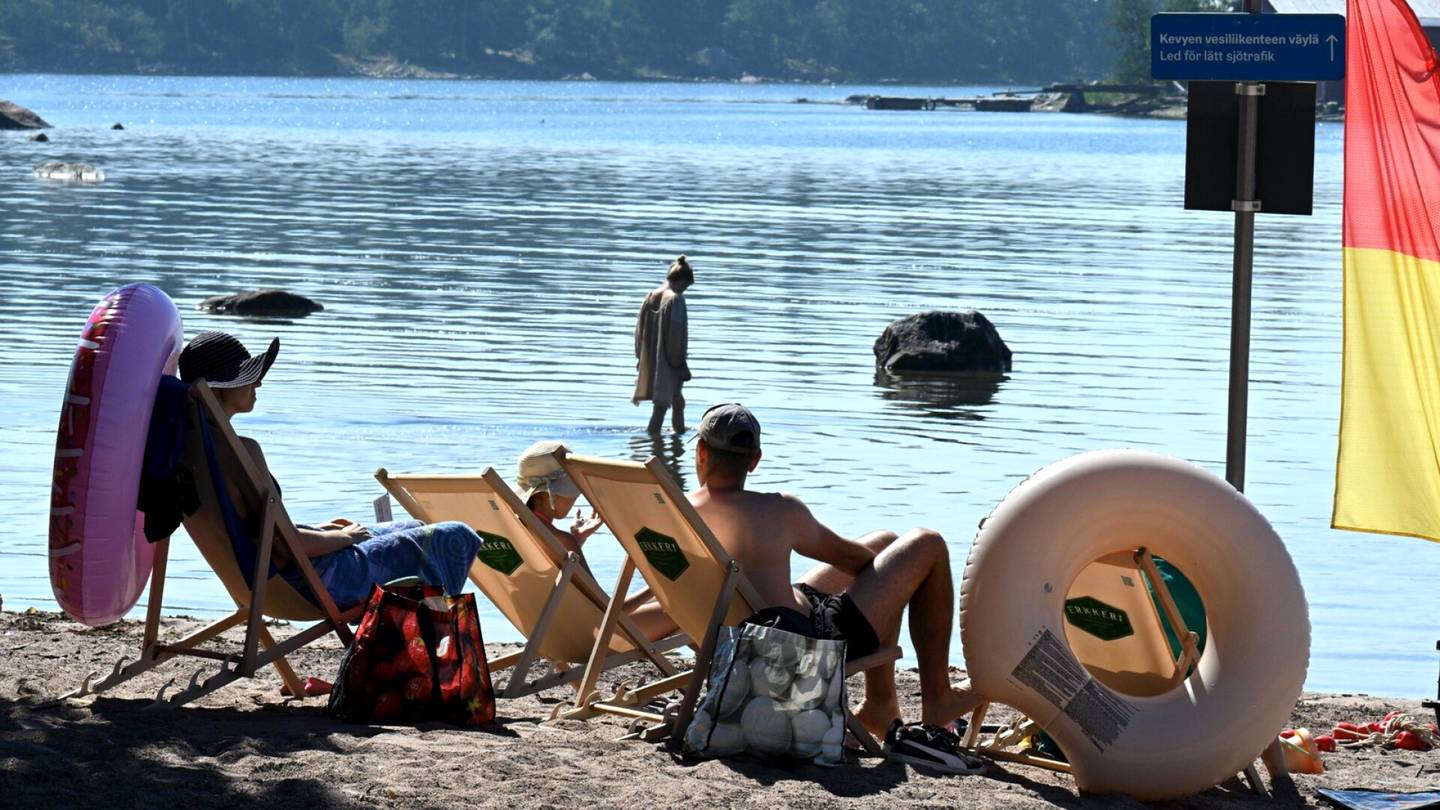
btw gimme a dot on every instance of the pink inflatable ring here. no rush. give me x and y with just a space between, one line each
99 557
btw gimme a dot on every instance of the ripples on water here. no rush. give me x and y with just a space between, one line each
481 248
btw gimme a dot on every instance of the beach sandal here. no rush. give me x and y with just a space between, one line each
930 747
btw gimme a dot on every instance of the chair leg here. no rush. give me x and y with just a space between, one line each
613 612
287 675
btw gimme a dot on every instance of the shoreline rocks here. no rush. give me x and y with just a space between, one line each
13 116
942 341
261 302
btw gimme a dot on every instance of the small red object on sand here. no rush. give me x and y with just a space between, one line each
1325 742
1397 730
311 687
1409 742
315 687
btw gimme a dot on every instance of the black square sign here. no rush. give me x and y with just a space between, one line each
1285 149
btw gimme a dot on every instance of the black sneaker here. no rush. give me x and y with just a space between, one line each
930 747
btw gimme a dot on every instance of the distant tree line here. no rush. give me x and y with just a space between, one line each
844 40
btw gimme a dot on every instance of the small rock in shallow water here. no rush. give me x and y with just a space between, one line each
117 125
261 302
39 137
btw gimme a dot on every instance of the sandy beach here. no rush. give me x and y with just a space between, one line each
248 746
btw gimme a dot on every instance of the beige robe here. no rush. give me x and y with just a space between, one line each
661 343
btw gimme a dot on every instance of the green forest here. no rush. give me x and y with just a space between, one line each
943 41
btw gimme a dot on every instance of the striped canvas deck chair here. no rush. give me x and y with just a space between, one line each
244 562
546 592
689 572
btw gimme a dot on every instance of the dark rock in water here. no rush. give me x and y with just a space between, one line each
261 302
39 137
117 125
13 116
942 341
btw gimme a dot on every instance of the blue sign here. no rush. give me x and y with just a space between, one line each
1247 47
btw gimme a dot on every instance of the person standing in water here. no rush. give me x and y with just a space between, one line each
661 338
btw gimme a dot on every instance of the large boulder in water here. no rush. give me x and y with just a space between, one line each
942 341
261 302
13 116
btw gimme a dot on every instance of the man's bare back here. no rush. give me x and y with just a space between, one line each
759 531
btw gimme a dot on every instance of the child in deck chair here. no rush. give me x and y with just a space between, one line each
858 593
350 558
550 494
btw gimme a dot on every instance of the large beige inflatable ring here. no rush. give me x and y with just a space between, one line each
1026 609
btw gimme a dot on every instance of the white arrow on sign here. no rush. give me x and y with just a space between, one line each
1332 40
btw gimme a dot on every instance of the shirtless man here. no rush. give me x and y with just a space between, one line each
858 592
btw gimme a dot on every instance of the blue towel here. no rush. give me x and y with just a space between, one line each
438 554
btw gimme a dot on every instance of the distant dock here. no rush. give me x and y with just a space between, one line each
1054 98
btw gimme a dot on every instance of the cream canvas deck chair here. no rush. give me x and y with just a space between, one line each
545 591
271 596
691 575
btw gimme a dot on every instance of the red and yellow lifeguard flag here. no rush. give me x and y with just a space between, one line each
1387 477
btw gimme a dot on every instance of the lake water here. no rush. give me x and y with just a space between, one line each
481 247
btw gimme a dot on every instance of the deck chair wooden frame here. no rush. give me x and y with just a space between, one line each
734 600
998 745
260 648
571 573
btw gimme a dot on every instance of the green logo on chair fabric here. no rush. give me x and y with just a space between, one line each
498 553
663 553
1097 618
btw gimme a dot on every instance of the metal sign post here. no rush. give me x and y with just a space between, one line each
1248 49
1245 206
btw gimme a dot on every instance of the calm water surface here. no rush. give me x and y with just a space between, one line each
481 247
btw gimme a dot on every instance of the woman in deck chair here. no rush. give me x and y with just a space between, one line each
350 558
550 494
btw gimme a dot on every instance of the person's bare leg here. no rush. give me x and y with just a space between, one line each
914 572
677 413
648 616
657 417
881 705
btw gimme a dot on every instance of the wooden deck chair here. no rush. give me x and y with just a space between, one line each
691 575
545 591
237 566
